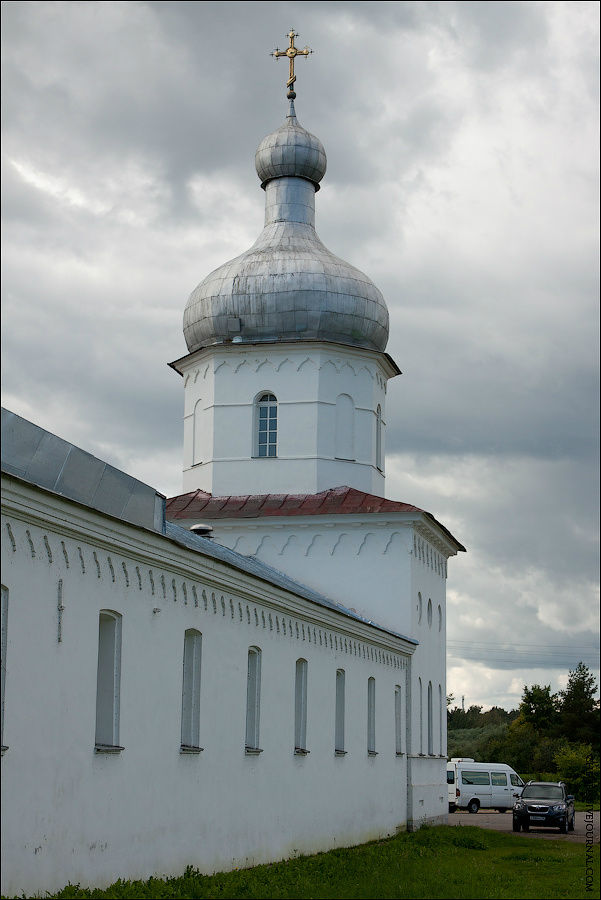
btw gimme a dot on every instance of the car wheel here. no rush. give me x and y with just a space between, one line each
563 827
525 826
502 809
473 806
516 825
571 824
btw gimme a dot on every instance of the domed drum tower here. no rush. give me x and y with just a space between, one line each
285 379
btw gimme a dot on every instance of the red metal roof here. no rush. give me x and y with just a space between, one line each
335 501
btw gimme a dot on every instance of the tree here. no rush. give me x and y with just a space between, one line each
464 718
496 715
578 709
578 766
539 707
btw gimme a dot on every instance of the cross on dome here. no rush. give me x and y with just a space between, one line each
291 52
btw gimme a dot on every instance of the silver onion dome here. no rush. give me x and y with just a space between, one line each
288 286
293 151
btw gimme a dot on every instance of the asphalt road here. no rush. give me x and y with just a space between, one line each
504 822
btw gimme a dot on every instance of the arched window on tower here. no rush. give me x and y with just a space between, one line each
379 455
345 427
266 425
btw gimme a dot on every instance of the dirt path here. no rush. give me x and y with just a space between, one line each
504 822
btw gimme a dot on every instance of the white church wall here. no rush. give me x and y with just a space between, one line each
362 562
307 380
381 569
428 667
428 568
71 814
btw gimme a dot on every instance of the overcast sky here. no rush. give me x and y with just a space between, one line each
462 143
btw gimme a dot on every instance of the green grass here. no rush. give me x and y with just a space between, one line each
581 806
434 862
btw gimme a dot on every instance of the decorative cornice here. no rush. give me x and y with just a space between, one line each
177 575
280 348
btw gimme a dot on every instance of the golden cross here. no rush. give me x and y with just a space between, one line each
291 52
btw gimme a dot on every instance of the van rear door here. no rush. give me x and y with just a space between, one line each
451 783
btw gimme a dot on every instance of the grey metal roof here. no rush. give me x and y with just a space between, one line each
288 286
41 458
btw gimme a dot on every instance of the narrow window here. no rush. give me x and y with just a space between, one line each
419 607
108 683
439 617
266 425
340 702
345 427
371 716
430 722
253 700
398 719
429 614
300 707
190 737
4 648
421 717
379 460
440 719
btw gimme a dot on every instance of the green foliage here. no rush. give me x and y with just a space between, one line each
578 710
539 707
532 737
432 863
578 766
461 718
516 746
469 742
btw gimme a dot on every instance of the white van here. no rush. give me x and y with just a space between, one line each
474 785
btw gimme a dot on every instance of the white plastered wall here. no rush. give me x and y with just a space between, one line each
377 565
70 814
221 385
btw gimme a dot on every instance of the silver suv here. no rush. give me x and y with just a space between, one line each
544 804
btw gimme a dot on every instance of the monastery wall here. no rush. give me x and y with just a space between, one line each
73 814
390 573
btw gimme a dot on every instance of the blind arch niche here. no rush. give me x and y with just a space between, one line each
345 427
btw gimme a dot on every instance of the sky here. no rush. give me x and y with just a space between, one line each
462 143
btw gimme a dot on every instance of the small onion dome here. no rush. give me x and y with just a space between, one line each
291 150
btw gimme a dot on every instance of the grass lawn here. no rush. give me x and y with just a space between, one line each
433 862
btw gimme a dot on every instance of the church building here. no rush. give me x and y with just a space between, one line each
255 668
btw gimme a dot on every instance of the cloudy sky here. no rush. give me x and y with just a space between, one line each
462 144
